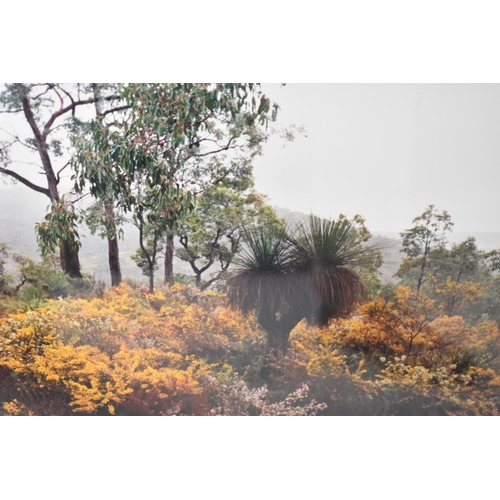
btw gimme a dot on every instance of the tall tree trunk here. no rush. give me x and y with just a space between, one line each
70 262
151 280
113 250
114 262
422 272
150 257
169 258
109 207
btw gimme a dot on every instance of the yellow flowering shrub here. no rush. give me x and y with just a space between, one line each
125 353
181 351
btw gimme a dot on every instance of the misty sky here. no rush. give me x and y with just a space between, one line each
386 151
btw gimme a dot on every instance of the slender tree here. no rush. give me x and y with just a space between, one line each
428 233
47 109
210 236
107 206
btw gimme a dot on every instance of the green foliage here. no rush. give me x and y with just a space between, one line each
460 279
213 231
172 142
35 282
51 112
168 130
5 277
150 250
100 223
60 224
427 234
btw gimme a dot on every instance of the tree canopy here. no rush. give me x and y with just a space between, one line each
173 142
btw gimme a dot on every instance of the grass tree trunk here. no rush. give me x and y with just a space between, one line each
278 330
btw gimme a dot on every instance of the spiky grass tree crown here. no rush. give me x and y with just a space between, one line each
264 277
266 250
326 243
290 274
323 253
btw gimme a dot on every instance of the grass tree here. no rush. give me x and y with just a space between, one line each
304 273
265 282
324 252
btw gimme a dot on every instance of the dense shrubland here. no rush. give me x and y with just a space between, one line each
181 351
429 345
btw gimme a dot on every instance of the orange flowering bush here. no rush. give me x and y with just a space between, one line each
125 353
181 351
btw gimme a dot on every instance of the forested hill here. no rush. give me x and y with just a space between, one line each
20 209
485 240
390 243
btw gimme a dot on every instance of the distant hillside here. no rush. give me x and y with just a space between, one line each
485 241
21 208
390 245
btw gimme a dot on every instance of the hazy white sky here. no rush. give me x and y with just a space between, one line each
386 151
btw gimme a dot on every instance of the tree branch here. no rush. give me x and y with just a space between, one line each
222 148
211 258
24 181
69 96
118 108
71 107
214 279
11 110
58 173
80 198
49 86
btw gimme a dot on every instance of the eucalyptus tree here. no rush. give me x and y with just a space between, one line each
154 159
420 241
212 233
101 217
47 113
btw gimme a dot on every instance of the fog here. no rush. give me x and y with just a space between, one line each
386 151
